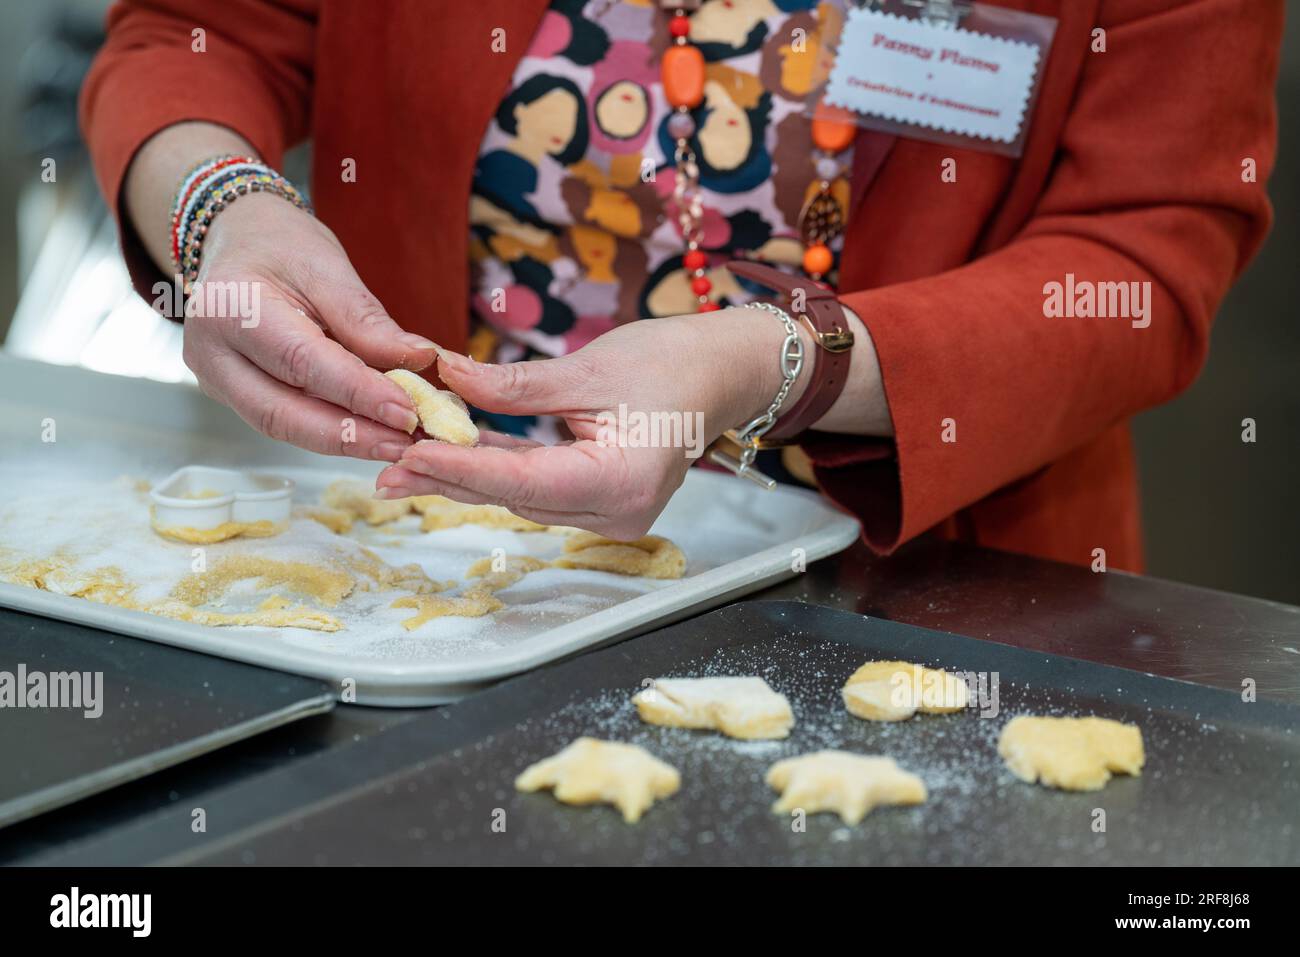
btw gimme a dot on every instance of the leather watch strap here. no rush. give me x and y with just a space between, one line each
824 317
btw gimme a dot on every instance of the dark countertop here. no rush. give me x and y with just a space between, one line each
1149 625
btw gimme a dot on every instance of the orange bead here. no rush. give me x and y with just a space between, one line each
682 71
833 128
817 260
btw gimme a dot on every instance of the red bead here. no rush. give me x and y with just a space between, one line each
709 307
694 259
701 286
679 26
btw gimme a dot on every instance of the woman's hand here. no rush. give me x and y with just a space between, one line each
711 372
304 367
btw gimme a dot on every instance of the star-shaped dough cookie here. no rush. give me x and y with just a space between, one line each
1073 754
848 784
896 690
738 707
589 771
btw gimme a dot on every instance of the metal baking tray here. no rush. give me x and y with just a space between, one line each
1221 783
737 538
155 708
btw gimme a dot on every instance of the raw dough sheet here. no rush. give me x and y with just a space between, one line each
99 518
81 500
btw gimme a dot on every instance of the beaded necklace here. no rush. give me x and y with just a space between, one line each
821 220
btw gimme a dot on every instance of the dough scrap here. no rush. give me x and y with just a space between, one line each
650 557
438 512
275 612
358 500
851 785
590 771
443 414
385 577
337 520
896 690
218 533
1072 754
516 567
327 585
108 586
472 603
744 708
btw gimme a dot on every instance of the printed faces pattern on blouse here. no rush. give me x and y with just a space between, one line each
572 218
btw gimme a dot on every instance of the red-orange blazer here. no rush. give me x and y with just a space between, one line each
1133 172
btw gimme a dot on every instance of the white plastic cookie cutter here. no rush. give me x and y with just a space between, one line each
202 504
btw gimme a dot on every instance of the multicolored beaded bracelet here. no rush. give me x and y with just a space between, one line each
185 192
209 193
205 191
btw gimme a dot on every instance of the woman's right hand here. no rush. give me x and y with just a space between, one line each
303 367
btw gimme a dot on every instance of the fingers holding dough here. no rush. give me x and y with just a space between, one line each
443 415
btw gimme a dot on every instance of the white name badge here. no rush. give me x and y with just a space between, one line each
915 74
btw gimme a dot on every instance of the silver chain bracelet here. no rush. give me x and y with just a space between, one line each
749 438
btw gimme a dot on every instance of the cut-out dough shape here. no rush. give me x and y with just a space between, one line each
896 690
649 557
443 414
848 784
590 771
1073 754
438 513
738 707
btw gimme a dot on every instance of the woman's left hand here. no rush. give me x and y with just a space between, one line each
710 372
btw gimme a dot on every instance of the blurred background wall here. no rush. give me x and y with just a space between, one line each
1218 512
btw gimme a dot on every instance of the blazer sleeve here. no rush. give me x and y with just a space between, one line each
250 70
1147 186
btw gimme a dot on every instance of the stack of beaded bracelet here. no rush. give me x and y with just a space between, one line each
208 189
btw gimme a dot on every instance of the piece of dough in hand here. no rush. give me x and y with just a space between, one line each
848 784
1073 754
589 771
443 414
896 690
745 708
